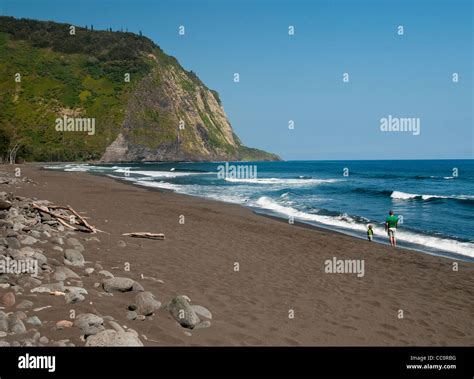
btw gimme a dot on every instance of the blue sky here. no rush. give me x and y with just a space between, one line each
299 77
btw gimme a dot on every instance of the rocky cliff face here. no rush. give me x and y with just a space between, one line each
163 113
172 117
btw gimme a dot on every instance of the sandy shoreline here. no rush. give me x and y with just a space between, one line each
281 272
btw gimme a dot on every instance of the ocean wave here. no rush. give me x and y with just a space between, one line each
409 196
156 174
160 185
347 222
281 181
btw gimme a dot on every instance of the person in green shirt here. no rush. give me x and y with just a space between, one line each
391 227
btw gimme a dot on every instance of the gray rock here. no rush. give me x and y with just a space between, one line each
182 312
3 322
137 287
34 320
29 281
118 284
89 323
57 241
24 304
111 337
116 326
203 325
62 273
73 297
74 257
89 271
145 304
17 326
40 257
49 287
78 290
132 315
44 340
27 240
105 274
202 312
36 234
4 344
13 243
5 204
75 244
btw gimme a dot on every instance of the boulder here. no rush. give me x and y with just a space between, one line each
49 287
182 312
73 297
5 204
145 304
8 300
33 320
13 243
89 323
112 337
75 244
105 274
118 284
27 240
62 273
74 257
202 312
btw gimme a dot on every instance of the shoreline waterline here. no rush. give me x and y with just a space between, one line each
262 211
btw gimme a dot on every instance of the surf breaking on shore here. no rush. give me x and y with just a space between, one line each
284 207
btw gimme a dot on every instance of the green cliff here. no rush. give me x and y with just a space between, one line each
75 94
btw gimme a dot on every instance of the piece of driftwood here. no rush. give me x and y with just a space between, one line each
66 224
153 236
83 220
57 293
75 221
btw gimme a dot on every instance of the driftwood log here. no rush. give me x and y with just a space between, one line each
73 221
153 236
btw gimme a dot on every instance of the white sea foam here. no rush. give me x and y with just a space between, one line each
407 196
280 181
157 174
346 222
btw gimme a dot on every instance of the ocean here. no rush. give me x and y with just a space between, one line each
434 199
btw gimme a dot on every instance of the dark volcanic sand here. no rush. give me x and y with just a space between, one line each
281 268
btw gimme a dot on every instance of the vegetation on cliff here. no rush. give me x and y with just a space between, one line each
162 113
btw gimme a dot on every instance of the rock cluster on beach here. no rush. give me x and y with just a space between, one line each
44 265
